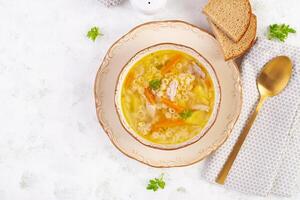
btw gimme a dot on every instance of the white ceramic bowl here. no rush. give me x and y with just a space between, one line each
140 55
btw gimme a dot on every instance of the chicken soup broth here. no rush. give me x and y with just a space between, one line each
167 97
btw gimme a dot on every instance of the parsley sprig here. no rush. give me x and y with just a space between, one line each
155 84
186 114
279 31
156 183
93 33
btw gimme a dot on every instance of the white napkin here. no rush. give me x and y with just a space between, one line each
269 159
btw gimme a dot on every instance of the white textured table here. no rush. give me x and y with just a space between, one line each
51 144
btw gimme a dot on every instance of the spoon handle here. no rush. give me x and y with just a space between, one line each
230 160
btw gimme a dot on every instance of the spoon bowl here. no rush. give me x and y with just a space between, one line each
275 76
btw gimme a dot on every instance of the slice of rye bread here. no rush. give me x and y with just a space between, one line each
231 16
235 49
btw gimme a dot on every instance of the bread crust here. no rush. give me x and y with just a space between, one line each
249 14
249 45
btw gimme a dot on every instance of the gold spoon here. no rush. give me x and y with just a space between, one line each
273 78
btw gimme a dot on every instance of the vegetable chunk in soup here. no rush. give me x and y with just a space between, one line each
167 97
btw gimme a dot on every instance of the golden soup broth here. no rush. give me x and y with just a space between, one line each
167 97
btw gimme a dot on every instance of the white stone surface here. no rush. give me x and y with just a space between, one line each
51 144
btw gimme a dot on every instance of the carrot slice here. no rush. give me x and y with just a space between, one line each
173 105
149 95
166 123
208 83
129 79
170 64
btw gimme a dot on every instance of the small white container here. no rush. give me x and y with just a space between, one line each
148 6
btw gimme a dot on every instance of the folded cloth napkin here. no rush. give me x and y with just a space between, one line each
110 3
269 159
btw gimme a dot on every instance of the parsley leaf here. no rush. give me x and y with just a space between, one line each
279 31
156 183
185 114
155 84
93 33
160 183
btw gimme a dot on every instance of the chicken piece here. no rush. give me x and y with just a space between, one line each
201 107
172 90
197 70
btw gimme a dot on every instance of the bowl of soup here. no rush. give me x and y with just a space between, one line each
167 96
